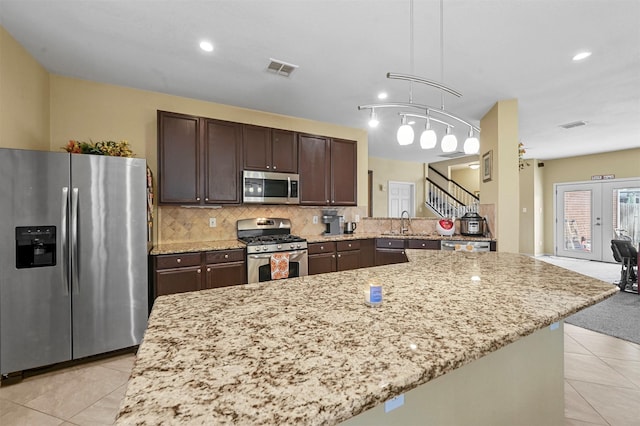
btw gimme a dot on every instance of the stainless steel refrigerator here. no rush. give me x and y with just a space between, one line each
73 274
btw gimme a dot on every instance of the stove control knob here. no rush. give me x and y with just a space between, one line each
264 248
279 246
292 246
299 245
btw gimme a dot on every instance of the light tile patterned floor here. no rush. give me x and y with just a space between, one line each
602 387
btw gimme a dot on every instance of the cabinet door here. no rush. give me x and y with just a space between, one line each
178 158
313 162
223 150
226 274
256 144
367 253
284 151
348 260
389 256
322 263
343 172
179 280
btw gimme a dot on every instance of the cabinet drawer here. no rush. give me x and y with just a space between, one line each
177 260
225 256
348 245
424 244
389 243
327 247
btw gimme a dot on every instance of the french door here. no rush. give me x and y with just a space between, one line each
590 214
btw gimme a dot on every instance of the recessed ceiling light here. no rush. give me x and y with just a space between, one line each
382 95
206 46
582 55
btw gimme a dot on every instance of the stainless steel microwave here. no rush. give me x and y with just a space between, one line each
270 187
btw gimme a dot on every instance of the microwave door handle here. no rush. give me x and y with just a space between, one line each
288 188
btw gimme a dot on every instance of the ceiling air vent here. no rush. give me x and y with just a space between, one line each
573 124
281 68
453 154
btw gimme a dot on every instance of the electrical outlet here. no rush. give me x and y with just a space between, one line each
315 219
212 222
356 218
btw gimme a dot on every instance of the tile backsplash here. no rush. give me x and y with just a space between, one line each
184 224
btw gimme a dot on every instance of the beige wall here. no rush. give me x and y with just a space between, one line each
385 170
623 164
500 135
469 179
24 98
88 110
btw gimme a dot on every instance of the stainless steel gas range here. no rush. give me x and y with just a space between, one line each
265 237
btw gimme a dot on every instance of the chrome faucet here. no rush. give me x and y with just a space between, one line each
403 226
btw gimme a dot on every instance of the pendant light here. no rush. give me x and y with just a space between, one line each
405 132
449 142
428 138
471 144
373 119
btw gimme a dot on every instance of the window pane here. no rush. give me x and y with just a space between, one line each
577 220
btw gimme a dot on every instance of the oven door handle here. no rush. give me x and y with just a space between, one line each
268 255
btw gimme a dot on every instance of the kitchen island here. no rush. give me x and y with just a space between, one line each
309 351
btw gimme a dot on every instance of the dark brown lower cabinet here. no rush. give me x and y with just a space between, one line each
225 268
178 273
170 281
367 253
321 257
389 250
347 255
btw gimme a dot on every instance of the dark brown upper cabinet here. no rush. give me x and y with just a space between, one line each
178 158
223 151
327 169
199 160
271 150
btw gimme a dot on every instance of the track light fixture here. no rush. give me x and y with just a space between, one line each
428 138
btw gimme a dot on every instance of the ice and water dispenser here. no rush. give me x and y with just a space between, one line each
35 246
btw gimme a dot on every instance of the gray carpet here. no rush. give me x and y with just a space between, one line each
617 316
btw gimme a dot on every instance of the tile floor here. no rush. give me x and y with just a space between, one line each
602 387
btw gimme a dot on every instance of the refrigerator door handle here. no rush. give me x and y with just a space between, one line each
64 240
74 240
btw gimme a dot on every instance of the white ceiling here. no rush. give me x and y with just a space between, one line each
493 50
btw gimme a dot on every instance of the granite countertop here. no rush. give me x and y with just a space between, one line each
307 350
197 246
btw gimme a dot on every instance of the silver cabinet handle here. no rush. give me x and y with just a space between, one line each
267 167
389 242
423 244
63 238
349 244
333 255
74 241
339 255
178 260
274 167
206 199
226 256
208 269
197 198
199 271
321 247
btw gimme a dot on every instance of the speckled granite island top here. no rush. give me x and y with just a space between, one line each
308 351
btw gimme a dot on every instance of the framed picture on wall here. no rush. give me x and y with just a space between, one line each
487 166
